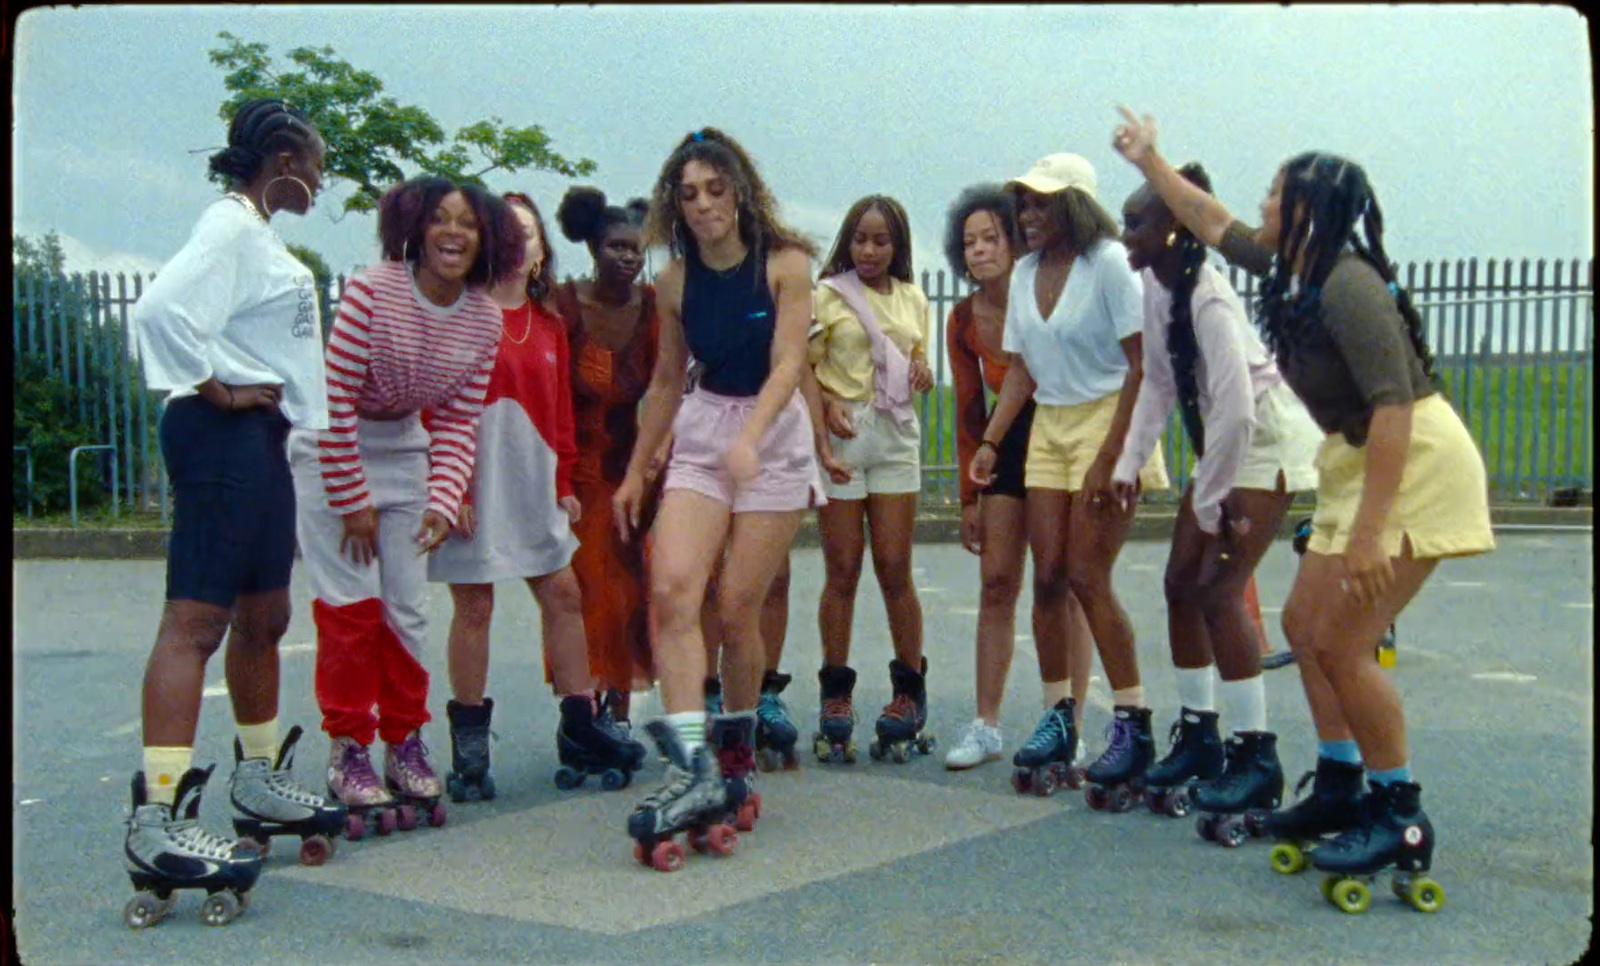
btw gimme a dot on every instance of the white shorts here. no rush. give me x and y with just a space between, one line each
1284 440
884 457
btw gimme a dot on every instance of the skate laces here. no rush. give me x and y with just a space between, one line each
901 706
412 756
770 707
1174 732
1120 733
357 768
838 708
187 834
678 781
1051 730
283 784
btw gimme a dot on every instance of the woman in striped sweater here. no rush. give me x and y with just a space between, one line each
377 489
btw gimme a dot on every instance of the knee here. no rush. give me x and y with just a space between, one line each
560 593
474 608
778 590
738 606
894 577
1088 582
1219 594
201 634
1297 627
1000 590
673 598
1050 584
843 576
1179 586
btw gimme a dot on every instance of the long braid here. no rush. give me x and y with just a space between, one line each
1373 254
1182 345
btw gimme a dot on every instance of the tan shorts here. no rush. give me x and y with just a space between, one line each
1443 501
884 456
1066 440
1284 440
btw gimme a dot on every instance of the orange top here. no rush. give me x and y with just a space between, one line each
972 366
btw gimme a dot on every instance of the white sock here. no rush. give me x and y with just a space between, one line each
1244 704
1194 688
691 728
1056 691
1129 697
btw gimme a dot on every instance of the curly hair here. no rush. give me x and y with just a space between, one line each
542 282
992 198
584 215
1323 198
759 225
1182 345
259 128
405 211
894 215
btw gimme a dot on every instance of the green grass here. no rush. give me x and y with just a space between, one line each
95 518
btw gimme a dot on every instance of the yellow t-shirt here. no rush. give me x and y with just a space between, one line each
839 350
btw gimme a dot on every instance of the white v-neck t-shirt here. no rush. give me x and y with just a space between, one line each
1075 356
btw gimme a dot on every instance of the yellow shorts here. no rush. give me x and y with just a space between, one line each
1443 502
1065 441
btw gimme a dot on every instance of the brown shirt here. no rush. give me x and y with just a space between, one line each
1360 358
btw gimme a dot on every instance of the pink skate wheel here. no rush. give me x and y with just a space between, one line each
745 820
354 827
316 850
437 815
387 820
407 819
667 857
721 839
640 855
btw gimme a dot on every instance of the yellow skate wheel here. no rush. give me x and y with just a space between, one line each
1351 896
1425 895
1328 882
1287 859
1386 656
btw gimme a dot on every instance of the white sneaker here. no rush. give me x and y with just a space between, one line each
979 743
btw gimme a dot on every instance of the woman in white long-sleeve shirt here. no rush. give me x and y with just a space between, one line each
1257 447
229 329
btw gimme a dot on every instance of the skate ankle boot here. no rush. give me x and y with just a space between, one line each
1238 802
1044 763
586 748
354 784
902 728
1195 754
776 732
167 850
832 741
469 779
411 779
613 723
1116 779
1393 831
713 697
269 802
733 737
691 798
1333 806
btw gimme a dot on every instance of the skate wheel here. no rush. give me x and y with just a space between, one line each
407 818
1328 882
745 819
388 821
145 910
568 778
456 787
900 753
1230 835
821 748
1122 798
486 788
850 752
220 908
613 779
640 854
766 759
877 751
1044 783
791 761
697 840
721 839
1424 894
1206 825
437 815
1020 781
1351 896
1095 796
667 857
316 850
1255 824
354 827
1074 778
261 846
1157 803
1177 804
1287 859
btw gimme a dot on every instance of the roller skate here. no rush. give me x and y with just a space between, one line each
168 851
693 799
832 742
469 779
733 736
270 802
1393 831
585 748
1251 786
1044 763
902 728
1195 755
1333 806
412 781
355 785
776 734
1116 779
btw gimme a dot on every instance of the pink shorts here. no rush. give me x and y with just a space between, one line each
707 423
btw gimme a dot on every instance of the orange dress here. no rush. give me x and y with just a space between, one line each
606 388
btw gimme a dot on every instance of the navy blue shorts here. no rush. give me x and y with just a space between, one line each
1011 456
233 522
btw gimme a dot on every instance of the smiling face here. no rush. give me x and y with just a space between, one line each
871 246
1036 216
619 256
1271 229
450 243
985 247
706 198
533 249
303 166
1146 224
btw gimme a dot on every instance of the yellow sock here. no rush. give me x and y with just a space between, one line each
260 740
163 767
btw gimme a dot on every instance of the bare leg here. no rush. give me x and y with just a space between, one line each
561 627
468 647
251 660
891 518
840 524
1005 545
175 674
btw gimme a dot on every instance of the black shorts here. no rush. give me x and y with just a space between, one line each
233 522
1011 457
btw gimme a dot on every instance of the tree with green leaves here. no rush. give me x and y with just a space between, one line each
372 139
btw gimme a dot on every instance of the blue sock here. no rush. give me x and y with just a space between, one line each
1391 775
1345 751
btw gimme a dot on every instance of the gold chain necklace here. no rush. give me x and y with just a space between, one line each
528 329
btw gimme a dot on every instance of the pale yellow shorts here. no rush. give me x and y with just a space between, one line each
1443 502
1066 440
1283 440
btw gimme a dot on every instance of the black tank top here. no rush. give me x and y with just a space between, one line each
728 319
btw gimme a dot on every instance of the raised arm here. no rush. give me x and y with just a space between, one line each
1196 210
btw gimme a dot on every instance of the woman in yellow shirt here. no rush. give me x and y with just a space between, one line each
867 351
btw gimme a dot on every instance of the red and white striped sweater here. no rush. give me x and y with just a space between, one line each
392 351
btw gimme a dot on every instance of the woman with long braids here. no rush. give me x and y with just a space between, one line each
1073 318
516 522
378 488
1256 444
1400 486
737 295
229 330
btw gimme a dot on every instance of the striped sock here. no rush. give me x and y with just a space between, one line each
1391 775
1345 751
163 767
260 740
691 729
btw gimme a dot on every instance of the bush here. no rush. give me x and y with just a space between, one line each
45 419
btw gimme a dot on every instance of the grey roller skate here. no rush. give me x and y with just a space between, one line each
776 733
692 799
411 779
585 748
1044 763
469 779
354 784
167 851
832 741
1116 779
1196 755
1238 802
269 802
902 728
733 736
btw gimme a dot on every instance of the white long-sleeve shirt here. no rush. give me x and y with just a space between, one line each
233 304
1232 372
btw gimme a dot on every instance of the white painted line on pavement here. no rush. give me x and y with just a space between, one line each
932 590
215 691
965 611
30 801
122 729
1511 676
1465 583
296 648
1581 605
1272 610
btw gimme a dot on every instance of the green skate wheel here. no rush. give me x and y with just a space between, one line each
1351 896
1287 859
1424 894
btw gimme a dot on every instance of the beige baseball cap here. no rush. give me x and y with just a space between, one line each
1058 172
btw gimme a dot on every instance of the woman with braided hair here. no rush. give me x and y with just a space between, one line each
1400 486
1256 444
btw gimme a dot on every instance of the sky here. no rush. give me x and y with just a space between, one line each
1475 124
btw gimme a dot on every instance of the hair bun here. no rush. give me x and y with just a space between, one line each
580 212
637 209
237 162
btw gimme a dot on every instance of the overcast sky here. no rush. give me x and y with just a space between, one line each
1475 123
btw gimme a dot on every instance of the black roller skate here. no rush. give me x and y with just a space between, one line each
410 777
354 783
733 736
693 799
1116 779
832 742
903 726
469 779
1333 806
776 734
1195 755
1044 763
168 851
1393 831
1251 786
270 802
587 749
